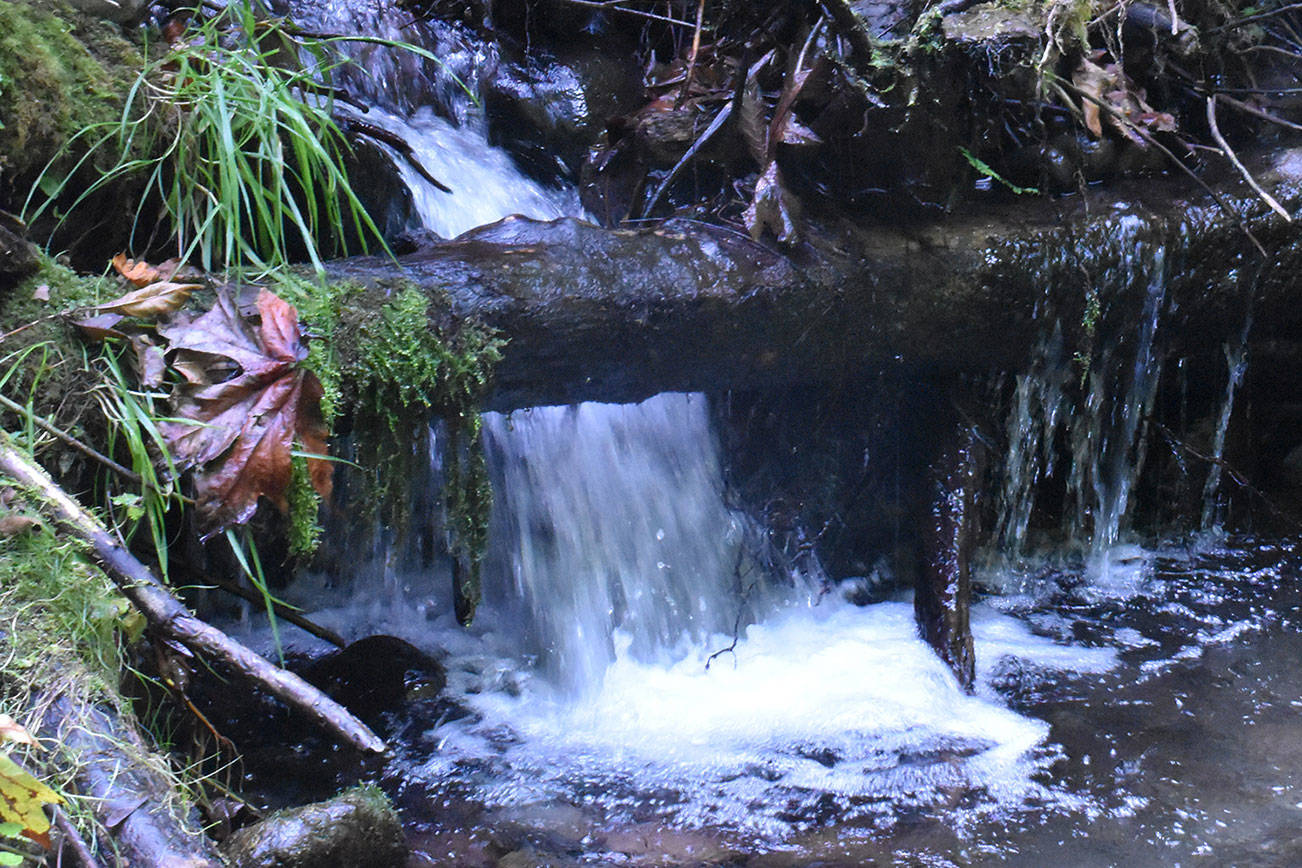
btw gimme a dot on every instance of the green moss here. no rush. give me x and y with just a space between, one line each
42 355
58 609
304 507
60 73
404 368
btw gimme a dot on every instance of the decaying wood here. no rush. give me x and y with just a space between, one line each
942 600
168 616
128 797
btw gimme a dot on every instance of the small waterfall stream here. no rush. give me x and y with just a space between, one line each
640 667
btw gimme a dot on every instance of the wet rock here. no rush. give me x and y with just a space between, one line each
358 828
376 674
549 109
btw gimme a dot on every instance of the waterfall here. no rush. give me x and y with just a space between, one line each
432 106
1093 406
609 530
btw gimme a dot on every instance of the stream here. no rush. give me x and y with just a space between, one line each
648 682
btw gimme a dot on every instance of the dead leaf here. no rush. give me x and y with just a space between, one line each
101 328
13 732
23 799
41 293
152 301
242 428
773 208
1110 95
139 272
12 524
151 364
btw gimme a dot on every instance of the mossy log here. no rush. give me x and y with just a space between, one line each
595 314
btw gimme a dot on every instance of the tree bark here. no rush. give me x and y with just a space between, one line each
127 796
168 616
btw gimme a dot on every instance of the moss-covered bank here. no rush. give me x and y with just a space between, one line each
61 73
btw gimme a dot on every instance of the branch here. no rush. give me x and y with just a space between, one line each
1234 158
168 616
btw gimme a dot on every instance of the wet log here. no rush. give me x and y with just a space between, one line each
127 795
942 598
596 314
169 617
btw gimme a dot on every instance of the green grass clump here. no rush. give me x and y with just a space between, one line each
235 145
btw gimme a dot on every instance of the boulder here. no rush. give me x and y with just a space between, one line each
358 828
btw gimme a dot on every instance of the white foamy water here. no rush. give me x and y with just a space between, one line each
485 184
832 707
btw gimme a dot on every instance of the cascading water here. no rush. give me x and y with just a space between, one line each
611 530
1103 431
432 106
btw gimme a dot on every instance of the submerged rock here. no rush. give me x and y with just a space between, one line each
376 674
358 828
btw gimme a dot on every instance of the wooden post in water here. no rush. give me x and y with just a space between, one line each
943 595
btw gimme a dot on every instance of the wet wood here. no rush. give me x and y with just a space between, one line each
128 796
614 315
169 617
942 600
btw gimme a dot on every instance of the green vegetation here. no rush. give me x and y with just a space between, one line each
60 73
247 169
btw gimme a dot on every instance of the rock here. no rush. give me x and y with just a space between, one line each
376 674
19 258
121 11
358 828
549 110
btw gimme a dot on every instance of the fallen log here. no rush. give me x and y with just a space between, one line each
597 314
127 795
170 618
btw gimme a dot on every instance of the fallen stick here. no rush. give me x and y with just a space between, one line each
1242 169
167 615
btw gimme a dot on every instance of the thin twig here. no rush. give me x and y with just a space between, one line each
691 60
69 440
72 837
283 611
617 6
1256 112
396 142
1059 83
1257 17
714 127
1234 158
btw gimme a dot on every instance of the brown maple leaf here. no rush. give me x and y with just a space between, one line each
243 419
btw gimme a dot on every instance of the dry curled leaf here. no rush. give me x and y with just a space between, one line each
1110 95
13 732
41 293
139 272
152 301
244 420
